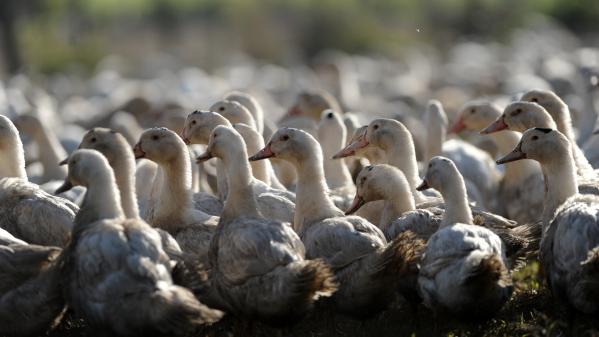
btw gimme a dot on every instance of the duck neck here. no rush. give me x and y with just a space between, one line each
397 202
101 201
13 163
402 155
260 170
174 199
312 200
240 200
517 171
435 140
124 170
560 184
563 121
50 153
457 209
336 173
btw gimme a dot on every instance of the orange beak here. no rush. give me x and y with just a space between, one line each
266 152
355 206
138 152
458 127
498 125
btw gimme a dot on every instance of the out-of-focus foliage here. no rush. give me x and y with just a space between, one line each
83 31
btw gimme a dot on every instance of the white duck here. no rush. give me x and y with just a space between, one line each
521 116
118 275
388 184
476 166
521 188
366 267
49 148
257 265
234 112
570 245
464 267
172 206
31 300
396 141
26 211
250 103
198 126
117 151
227 144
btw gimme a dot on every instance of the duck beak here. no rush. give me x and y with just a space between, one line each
350 149
355 206
64 187
294 111
458 127
423 186
138 152
517 154
204 156
64 162
498 125
266 152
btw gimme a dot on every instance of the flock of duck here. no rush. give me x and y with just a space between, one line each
136 231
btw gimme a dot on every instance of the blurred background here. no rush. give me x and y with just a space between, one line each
47 36
378 56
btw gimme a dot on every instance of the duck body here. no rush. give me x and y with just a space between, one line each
33 215
462 271
570 252
31 300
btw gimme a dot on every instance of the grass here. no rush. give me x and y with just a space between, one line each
531 312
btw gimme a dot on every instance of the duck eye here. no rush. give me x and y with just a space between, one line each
430 165
363 179
534 100
93 140
155 137
330 115
535 137
285 138
376 126
193 122
472 110
215 135
222 108
369 168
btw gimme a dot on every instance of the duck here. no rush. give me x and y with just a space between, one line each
28 212
118 276
388 184
262 170
251 104
115 147
477 167
332 135
198 126
464 269
257 264
367 268
234 112
520 116
521 188
172 206
31 301
50 150
395 140
231 150
569 250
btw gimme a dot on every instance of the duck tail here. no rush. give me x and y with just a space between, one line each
173 309
488 273
487 286
286 294
584 294
367 285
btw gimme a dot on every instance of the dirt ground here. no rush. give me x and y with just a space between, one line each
531 312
